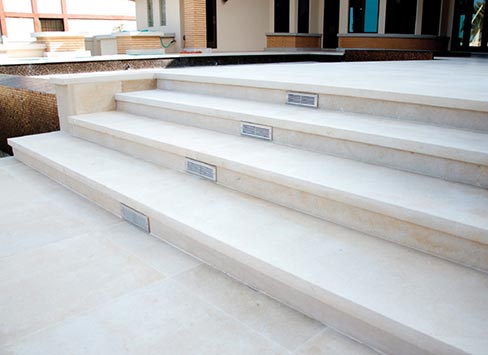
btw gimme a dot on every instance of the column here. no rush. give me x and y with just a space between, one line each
418 18
293 16
382 17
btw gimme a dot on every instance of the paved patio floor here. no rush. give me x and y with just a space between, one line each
75 279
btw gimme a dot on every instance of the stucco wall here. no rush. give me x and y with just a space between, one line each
101 7
20 29
242 25
49 6
17 5
99 27
174 18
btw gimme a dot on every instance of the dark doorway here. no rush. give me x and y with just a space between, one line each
211 23
303 16
470 27
282 16
401 16
431 16
331 23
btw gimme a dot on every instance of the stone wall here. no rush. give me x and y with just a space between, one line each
84 66
27 106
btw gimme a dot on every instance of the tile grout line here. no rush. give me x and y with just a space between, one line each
313 337
143 261
82 313
203 262
85 234
227 314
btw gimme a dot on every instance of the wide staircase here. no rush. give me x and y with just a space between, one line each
367 213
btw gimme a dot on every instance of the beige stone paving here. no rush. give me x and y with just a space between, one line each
76 280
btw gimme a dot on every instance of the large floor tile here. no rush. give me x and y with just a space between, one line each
45 285
329 342
35 211
160 319
7 161
154 252
263 314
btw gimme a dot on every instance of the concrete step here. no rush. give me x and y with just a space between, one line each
439 217
452 154
440 107
395 299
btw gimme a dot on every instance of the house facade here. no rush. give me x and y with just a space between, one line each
20 18
238 25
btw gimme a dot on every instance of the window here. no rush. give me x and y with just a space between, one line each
431 14
400 16
282 16
162 12
303 16
363 16
150 14
52 25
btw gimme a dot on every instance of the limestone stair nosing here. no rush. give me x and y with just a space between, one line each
439 110
395 299
452 154
453 210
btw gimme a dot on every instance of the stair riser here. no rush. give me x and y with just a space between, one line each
298 298
448 169
403 232
451 117
378 332
72 181
418 237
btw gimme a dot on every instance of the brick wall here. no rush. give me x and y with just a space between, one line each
24 112
63 43
125 43
277 41
195 24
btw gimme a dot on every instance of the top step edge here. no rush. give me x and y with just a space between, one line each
400 97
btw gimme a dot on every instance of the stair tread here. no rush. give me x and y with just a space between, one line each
450 207
369 80
449 143
383 283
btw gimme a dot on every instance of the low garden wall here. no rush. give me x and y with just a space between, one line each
27 106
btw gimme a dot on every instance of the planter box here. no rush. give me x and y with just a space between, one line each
144 42
392 41
293 40
61 41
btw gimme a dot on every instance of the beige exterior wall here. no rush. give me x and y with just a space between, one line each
316 16
49 6
90 17
101 7
174 18
141 14
17 5
242 25
19 29
99 27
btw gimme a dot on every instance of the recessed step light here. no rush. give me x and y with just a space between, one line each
135 218
203 170
301 99
256 131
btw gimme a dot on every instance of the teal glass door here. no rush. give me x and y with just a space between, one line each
470 27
